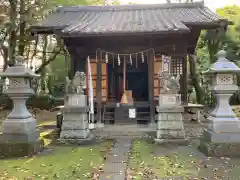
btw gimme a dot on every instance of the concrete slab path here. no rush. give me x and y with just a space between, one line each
115 166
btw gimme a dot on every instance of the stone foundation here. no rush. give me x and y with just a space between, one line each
76 141
172 141
75 125
20 129
220 144
20 149
170 126
75 128
219 149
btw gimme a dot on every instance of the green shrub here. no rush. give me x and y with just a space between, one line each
5 101
41 102
57 102
46 102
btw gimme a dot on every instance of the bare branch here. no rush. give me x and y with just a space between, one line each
52 58
35 49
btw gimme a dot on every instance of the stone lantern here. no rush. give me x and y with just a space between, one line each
222 137
20 125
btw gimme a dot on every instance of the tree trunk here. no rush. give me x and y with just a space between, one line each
34 51
195 79
12 32
22 29
4 50
56 50
44 59
5 57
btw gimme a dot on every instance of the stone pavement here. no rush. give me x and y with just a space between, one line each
123 131
115 166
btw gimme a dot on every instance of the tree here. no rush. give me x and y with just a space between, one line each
15 36
210 42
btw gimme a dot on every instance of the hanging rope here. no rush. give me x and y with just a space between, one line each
126 54
120 56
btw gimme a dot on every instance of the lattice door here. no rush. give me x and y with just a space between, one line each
157 68
94 78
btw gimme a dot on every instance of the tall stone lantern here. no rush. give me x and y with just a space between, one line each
19 129
222 137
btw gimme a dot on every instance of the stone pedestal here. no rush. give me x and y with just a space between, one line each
222 137
170 127
20 136
75 121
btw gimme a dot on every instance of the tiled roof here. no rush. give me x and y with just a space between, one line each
154 18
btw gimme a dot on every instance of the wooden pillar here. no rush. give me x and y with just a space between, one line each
78 58
80 64
99 90
151 87
184 80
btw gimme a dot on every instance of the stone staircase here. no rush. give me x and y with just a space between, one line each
124 131
143 113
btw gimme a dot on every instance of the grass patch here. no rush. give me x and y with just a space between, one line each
144 164
61 162
46 123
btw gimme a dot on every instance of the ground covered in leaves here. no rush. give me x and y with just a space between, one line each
57 162
150 161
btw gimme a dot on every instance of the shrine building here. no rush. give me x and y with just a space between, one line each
126 45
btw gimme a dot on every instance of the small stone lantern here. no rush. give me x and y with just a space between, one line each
20 125
223 133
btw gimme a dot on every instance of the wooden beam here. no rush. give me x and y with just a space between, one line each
108 42
185 80
151 87
80 59
99 89
159 50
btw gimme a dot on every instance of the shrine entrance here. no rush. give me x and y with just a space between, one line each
136 80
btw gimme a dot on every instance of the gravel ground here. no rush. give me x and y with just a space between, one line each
194 130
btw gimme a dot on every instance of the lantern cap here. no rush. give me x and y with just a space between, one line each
19 70
223 65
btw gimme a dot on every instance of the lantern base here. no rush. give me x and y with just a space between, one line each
220 144
20 130
91 139
183 142
20 149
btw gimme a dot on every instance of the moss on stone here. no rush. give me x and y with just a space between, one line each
20 149
219 149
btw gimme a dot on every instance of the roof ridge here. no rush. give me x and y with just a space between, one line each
129 7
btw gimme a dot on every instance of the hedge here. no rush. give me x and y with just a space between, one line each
46 102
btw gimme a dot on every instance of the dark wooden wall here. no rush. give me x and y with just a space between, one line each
169 44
